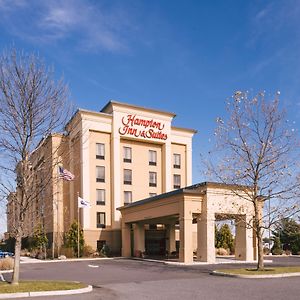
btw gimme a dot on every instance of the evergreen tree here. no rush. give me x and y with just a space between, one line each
71 239
40 240
277 248
288 235
224 238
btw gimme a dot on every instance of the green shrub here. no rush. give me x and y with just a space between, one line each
276 249
105 251
71 239
39 239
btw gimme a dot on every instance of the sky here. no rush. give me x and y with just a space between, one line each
185 57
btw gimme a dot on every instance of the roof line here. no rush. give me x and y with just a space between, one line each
189 189
112 102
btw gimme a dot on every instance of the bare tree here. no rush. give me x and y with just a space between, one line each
256 146
32 106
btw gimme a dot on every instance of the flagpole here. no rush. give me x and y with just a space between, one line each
78 230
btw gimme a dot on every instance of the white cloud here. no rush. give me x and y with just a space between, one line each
90 26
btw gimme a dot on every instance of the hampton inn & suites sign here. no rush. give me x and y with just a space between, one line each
142 128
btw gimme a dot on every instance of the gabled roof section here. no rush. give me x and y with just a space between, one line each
91 112
108 108
193 131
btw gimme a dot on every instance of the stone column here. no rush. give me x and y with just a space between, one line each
243 239
139 239
186 239
126 239
170 235
206 237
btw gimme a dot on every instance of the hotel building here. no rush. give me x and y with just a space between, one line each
135 169
119 155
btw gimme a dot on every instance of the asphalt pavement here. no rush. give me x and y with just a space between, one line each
131 279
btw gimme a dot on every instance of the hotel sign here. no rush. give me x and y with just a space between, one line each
142 128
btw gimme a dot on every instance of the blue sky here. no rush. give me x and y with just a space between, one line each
181 56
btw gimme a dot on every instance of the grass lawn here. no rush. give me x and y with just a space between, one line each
38 286
266 271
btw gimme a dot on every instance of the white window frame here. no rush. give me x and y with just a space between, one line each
127 154
101 223
100 151
152 158
176 161
127 197
100 200
100 174
175 181
152 179
127 176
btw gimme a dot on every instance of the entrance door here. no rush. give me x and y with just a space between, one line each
155 242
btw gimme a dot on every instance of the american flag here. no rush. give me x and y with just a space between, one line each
65 174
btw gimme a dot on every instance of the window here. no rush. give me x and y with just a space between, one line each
152 158
152 178
100 197
127 176
152 194
100 174
176 161
127 154
177 181
127 197
100 220
100 151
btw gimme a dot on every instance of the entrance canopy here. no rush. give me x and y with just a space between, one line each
200 203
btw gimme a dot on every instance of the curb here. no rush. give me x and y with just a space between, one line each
37 261
281 275
196 263
5 271
87 289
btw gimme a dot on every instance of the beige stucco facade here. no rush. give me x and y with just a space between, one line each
120 155
103 178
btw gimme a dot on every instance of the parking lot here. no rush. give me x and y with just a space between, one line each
131 279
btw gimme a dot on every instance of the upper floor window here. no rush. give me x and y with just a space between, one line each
127 155
177 181
100 151
100 174
127 197
100 220
100 197
127 176
152 178
152 158
176 161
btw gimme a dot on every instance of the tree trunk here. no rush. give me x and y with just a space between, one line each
16 273
260 249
